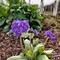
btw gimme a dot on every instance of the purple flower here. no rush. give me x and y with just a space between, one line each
15 27
19 27
49 33
55 53
53 38
35 31
24 25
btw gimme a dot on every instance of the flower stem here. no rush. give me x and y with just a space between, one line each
21 44
46 40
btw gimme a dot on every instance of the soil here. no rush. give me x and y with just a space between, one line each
10 46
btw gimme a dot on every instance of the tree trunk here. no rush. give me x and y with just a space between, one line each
29 1
23 0
1 1
55 9
42 6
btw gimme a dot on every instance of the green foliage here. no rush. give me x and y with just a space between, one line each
2 21
6 28
33 52
3 10
48 52
17 9
19 57
43 57
34 17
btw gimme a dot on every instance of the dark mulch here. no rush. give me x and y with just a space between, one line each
10 46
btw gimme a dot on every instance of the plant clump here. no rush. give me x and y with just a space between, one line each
32 50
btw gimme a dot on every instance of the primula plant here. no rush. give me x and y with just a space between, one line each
50 34
18 27
19 10
32 50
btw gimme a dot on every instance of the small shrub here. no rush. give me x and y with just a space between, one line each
19 10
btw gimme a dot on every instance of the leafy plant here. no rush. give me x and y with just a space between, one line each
34 17
9 12
19 10
33 52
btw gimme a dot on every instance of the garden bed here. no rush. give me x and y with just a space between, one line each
10 46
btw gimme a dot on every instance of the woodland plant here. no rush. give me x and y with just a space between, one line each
19 10
31 50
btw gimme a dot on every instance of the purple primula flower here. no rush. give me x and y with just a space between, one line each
49 33
24 25
35 31
19 27
55 53
53 38
15 27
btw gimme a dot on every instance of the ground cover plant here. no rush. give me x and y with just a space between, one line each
33 50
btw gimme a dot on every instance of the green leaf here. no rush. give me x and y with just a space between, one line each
35 6
27 45
6 28
26 35
16 58
12 10
29 54
39 47
35 27
48 52
11 2
20 16
36 42
3 10
2 21
19 57
37 22
43 57
9 19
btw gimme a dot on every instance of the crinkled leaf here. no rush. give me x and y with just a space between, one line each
19 57
48 52
39 47
27 45
16 58
25 35
29 54
43 57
